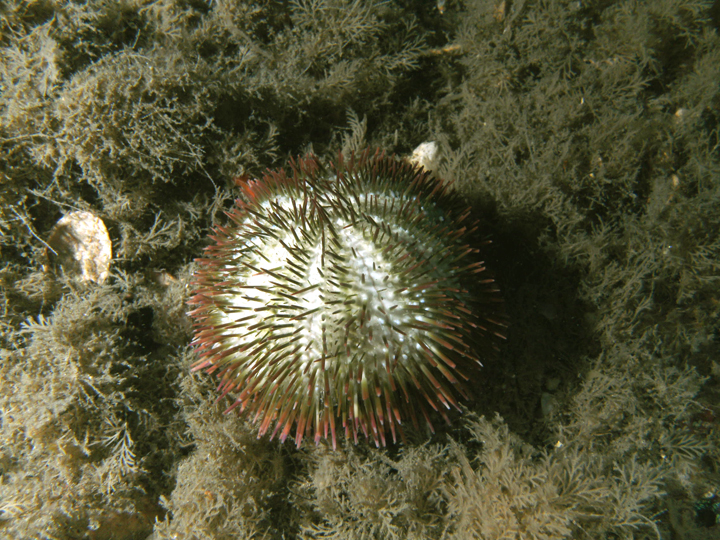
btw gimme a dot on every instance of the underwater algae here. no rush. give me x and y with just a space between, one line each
583 135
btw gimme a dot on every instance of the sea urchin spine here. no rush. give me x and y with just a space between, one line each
347 298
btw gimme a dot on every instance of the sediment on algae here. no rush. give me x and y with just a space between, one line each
583 135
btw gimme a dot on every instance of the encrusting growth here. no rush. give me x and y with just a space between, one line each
348 298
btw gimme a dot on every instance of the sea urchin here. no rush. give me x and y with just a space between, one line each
348 298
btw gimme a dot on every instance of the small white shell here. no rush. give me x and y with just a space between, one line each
82 246
425 156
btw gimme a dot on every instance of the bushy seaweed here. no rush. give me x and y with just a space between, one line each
586 136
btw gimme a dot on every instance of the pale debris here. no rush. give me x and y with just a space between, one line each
425 156
82 246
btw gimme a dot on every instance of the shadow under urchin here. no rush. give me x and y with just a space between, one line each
345 298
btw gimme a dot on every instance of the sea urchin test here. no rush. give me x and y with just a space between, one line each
344 299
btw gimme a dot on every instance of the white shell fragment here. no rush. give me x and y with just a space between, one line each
81 245
425 156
